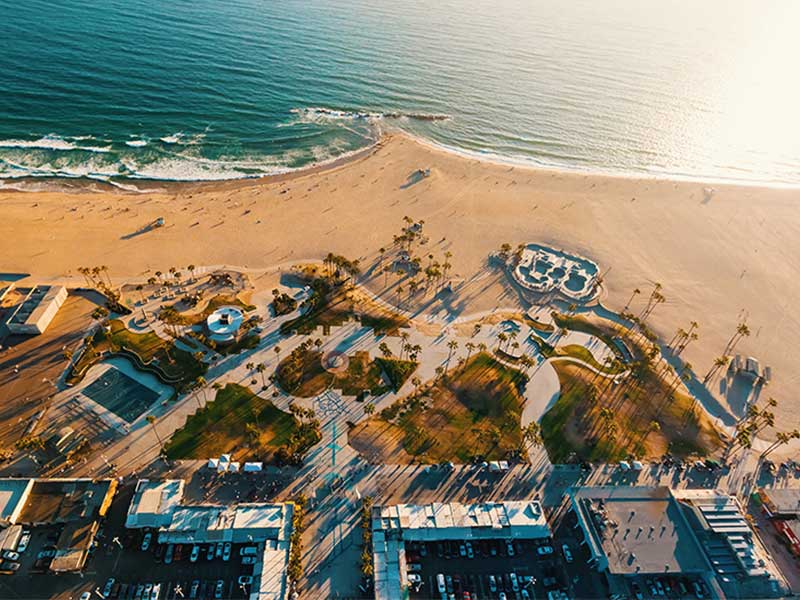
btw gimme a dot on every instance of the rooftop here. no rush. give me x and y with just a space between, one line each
639 530
783 501
490 517
153 502
35 303
13 494
64 500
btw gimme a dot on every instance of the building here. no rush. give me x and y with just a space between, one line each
782 507
394 525
37 310
158 505
73 506
154 503
224 324
641 536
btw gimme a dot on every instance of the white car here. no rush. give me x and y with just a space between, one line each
462 550
514 582
543 550
567 553
492 584
86 595
414 578
148 537
109 585
24 540
226 551
195 553
155 591
470 551
218 589
509 548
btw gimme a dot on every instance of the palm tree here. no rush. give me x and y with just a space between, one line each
482 347
532 434
635 293
451 345
191 269
369 408
501 338
470 346
416 382
152 420
201 382
261 368
158 275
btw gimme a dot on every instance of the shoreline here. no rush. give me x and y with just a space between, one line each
88 185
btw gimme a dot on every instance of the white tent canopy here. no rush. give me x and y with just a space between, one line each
212 463
253 467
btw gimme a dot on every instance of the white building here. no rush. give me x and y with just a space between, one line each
268 527
37 310
393 526
153 503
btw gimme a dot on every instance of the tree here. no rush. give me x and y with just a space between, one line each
452 345
369 408
470 347
385 350
261 368
191 269
502 337
532 434
201 382
416 382
635 293
152 420
277 350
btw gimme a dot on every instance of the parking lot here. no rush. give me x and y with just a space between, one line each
487 569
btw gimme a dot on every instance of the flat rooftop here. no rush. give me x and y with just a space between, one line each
783 501
639 530
64 500
491 519
154 500
37 300
13 493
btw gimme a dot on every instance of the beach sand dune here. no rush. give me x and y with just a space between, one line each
718 256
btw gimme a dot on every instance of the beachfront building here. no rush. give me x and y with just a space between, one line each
71 508
782 507
267 527
544 271
394 526
646 539
225 324
37 309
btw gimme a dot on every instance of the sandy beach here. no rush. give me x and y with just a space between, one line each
718 256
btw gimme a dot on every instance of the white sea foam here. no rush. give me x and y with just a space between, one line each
52 142
322 112
136 143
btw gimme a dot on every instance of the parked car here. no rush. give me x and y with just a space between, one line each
509 548
169 554
210 552
414 568
492 584
155 591
107 587
462 550
194 589
248 560
195 553
24 540
567 553
226 551
470 551
245 579
218 589
514 582
218 550
47 553
10 555
248 551
148 537
543 550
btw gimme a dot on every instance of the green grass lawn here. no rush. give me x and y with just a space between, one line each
474 411
301 373
397 371
236 421
362 374
584 354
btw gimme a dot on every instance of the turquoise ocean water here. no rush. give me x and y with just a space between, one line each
118 90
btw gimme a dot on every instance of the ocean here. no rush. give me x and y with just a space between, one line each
119 91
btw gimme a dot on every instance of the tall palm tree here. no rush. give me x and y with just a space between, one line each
452 345
635 293
470 346
260 368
